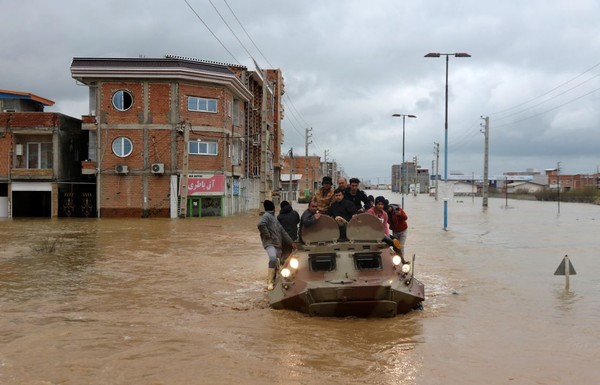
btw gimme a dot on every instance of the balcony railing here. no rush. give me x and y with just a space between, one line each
88 168
31 173
88 122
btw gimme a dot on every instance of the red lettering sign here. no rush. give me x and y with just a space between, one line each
214 185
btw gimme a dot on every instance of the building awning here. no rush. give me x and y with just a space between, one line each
286 177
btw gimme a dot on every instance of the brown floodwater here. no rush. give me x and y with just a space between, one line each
181 301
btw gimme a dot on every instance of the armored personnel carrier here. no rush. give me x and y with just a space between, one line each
364 275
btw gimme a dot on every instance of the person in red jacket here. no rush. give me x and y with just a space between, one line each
398 226
378 211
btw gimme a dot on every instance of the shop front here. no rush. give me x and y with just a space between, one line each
205 196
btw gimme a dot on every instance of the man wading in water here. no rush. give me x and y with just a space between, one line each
273 237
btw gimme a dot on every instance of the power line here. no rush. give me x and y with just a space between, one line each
293 113
551 109
547 100
248 35
210 30
295 109
230 30
548 92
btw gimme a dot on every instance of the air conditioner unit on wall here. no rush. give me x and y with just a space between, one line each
158 168
121 169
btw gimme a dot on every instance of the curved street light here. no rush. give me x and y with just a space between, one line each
402 173
437 54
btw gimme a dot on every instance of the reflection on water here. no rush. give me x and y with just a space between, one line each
140 301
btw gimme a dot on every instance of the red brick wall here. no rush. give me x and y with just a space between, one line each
159 195
159 102
122 195
29 119
203 91
209 162
135 161
113 116
5 152
160 150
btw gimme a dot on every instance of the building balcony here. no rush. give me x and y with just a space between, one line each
31 173
88 122
88 168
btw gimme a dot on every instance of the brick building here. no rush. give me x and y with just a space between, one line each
570 182
306 175
179 137
40 155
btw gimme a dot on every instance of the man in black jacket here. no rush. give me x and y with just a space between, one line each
356 196
289 219
341 207
341 210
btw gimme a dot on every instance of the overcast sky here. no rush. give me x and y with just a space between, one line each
349 65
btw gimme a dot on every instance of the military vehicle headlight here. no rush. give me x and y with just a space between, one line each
294 263
285 272
405 268
396 260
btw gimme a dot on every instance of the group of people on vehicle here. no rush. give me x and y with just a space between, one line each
341 203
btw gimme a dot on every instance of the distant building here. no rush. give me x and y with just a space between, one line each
525 187
407 177
307 173
566 182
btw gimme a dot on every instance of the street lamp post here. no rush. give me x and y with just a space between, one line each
437 54
402 173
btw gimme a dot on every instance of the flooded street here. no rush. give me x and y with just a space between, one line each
181 301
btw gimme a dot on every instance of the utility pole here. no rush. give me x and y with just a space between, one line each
307 135
416 180
325 153
183 195
437 167
558 184
472 187
486 155
432 168
291 172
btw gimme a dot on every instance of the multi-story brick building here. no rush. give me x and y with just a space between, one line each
566 182
40 160
306 176
179 137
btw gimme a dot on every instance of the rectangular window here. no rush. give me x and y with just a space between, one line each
236 112
202 104
39 155
237 153
202 148
367 261
322 262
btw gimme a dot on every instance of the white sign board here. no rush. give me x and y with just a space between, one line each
446 190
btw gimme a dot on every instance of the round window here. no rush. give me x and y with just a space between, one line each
122 100
122 146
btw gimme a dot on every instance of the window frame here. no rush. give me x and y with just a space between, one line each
208 146
122 100
122 140
44 154
194 104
